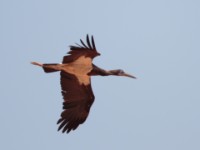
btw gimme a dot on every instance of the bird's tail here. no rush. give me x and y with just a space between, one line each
48 68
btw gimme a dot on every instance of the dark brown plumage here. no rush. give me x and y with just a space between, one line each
75 72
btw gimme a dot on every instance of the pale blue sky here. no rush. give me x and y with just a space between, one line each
158 41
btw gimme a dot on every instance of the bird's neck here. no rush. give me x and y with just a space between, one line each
112 72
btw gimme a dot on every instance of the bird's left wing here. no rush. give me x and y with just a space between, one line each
87 49
78 99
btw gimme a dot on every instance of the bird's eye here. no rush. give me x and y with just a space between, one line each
121 71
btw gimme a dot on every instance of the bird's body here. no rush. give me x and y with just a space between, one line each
80 68
76 71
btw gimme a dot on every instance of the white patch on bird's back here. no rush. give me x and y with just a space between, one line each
80 68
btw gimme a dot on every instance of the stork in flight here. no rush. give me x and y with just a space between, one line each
75 72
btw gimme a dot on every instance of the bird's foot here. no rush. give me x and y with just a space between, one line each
37 64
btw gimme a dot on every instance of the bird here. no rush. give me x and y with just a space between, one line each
76 70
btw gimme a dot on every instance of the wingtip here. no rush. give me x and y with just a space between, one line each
83 43
87 35
88 41
93 43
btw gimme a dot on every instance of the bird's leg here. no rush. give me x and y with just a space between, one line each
48 67
37 64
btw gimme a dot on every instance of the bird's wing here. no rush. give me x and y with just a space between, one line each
87 50
78 99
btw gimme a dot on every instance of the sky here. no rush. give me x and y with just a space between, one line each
157 41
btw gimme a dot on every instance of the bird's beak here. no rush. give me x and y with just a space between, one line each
128 75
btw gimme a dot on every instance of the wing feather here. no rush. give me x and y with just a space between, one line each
83 44
88 42
77 51
93 43
77 102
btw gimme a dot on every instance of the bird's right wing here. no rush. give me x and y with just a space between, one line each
77 102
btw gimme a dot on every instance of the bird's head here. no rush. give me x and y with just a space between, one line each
120 72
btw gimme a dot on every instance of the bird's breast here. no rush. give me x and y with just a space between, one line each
80 68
